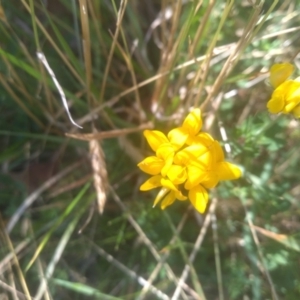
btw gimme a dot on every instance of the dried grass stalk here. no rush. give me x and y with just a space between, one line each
99 172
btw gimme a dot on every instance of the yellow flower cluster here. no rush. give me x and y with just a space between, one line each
187 162
286 96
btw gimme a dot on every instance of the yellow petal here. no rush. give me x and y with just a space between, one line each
177 174
289 107
292 96
178 137
194 176
207 159
155 138
217 152
165 150
167 166
168 184
161 194
183 157
284 98
280 73
180 196
199 198
151 165
196 150
190 153
193 122
228 171
202 138
294 90
275 105
168 200
152 183
210 181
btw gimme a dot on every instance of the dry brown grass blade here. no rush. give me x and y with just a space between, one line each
165 254
127 57
130 273
5 287
223 50
19 102
133 152
261 264
196 248
120 15
86 43
2 14
34 195
286 240
168 52
15 259
235 54
273 235
100 173
195 42
108 134
55 47
70 186
144 238
202 74
14 79
7 260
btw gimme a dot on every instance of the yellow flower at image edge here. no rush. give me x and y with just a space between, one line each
286 96
186 163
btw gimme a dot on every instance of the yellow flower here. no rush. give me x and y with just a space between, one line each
280 73
210 166
286 96
186 164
